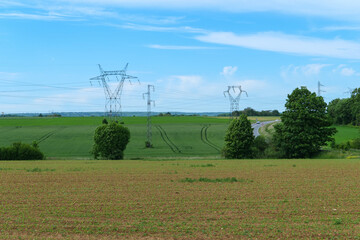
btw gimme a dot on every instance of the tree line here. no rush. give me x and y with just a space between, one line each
304 129
346 110
252 112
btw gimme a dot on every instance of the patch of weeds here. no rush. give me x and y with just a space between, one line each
5 169
270 165
203 165
40 170
74 170
338 221
294 165
170 172
217 180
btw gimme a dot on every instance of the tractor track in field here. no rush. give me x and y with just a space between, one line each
47 135
167 140
204 138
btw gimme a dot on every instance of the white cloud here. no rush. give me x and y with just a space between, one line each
341 9
284 43
169 47
338 9
347 72
294 72
229 70
340 28
150 28
31 16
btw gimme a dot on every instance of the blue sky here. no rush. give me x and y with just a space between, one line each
189 50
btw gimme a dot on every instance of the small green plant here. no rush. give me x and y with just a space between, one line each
338 221
203 165
217 180
40 170
148 144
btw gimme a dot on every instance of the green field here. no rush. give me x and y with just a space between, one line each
172 136
346 133
73 137
180 199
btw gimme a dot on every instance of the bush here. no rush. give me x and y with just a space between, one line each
260 145
110 141
21 151
239 139
355 144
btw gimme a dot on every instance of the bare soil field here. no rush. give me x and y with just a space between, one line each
180 199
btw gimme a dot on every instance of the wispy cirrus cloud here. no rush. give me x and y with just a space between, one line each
285 43
32 16
152 28
339 9
304 70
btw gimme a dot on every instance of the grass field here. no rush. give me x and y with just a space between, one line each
208 199
180 136
345 133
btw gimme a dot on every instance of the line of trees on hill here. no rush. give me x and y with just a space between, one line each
346 110
252 112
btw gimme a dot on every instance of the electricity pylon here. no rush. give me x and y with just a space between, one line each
234 100
149 101
319 89
113 94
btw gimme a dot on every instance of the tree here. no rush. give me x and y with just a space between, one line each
355 106
110 141
239 139
305 125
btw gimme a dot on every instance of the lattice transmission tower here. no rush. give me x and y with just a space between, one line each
319 88
234 100
113 82
149 101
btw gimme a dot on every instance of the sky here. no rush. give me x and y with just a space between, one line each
190 51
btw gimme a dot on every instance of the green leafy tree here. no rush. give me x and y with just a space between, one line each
355 106
304 127
110 141
239 139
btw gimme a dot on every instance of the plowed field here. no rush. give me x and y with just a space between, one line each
278 199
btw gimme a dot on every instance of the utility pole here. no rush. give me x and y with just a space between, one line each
234 100
113 95
319 89
149 101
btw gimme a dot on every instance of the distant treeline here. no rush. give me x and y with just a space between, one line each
252 112
346 110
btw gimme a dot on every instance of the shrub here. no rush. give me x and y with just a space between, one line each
239 139
260 145
355 144
21 151
110 141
